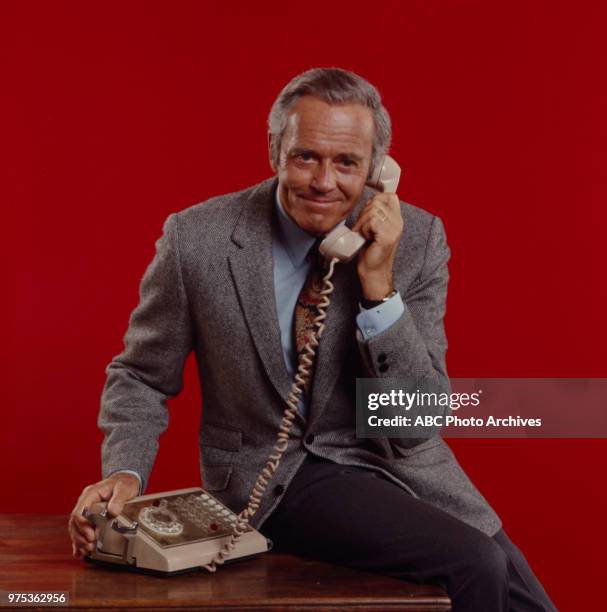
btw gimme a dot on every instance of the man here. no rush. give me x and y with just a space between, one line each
224 284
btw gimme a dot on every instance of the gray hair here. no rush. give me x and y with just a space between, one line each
334 86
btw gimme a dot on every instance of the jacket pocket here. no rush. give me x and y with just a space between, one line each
218 445
216 477
400 452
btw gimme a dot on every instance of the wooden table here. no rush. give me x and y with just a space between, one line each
35 554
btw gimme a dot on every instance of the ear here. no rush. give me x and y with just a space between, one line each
272 165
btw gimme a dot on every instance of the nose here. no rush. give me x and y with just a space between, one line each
324 177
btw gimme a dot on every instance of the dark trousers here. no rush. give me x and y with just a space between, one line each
356 517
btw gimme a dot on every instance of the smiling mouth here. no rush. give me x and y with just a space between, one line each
319 201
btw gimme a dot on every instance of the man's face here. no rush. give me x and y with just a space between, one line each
325 157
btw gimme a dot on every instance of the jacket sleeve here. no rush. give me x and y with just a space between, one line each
149 370
414 347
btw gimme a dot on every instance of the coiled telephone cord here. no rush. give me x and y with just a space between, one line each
304 372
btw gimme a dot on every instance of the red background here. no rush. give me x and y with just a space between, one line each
116 114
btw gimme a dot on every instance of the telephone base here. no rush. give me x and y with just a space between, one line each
159 573
170 533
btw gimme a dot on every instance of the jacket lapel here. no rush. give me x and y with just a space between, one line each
337 341
252 272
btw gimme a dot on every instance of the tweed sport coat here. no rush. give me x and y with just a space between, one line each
209 289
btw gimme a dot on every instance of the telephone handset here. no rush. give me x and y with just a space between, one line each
342 243
188 529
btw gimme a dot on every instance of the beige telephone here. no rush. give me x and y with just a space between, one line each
188 529
169 533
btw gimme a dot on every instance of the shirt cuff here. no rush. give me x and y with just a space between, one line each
134 474
378 319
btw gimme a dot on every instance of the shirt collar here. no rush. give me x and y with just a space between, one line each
296 241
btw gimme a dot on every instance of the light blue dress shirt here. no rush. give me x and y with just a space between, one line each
291 263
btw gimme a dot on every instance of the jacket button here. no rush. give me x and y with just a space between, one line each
384 367
381 357
310 439
279 490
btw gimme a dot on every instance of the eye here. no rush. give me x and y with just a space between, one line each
348 162
306 156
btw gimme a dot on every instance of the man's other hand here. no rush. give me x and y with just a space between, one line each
116 490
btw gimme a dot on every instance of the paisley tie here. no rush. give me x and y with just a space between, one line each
306 309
